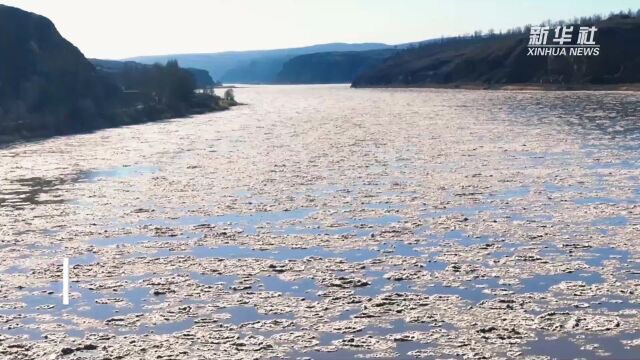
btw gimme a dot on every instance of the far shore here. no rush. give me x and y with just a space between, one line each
514 87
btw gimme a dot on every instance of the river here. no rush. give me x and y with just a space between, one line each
330 222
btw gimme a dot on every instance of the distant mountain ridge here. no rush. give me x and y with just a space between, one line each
339 67
254 66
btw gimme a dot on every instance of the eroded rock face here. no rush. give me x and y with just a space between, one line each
254 234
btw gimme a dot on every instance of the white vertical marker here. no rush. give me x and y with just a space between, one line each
65 281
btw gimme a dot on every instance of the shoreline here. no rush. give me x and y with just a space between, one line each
10 141
510 87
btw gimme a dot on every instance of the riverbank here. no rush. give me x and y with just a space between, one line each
128 117
497 60
511 87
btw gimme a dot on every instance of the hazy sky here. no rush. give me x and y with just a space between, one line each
114 29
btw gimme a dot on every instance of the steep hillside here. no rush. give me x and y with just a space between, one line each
495 61
330 67
257 66
46 84
48 87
